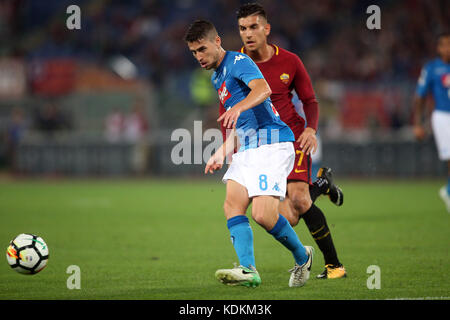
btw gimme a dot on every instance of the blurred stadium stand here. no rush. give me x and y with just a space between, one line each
58 86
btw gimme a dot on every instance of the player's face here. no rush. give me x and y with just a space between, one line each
444 48
254 31
206 52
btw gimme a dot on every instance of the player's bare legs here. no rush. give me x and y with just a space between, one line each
298 204
236 200
448 175
444 192
265 213
235 207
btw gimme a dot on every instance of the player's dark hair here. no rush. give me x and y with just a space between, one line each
200 29
251 9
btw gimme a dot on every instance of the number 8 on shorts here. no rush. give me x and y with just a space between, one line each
263 182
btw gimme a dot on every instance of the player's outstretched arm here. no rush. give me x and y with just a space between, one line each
308 140
418 107
217 159
304 89
259 91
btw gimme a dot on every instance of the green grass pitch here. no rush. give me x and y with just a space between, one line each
164 239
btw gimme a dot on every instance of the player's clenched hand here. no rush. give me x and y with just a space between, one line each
214 163
419 132
230 117
308 141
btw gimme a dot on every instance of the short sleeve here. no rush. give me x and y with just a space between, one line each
245 69
424 82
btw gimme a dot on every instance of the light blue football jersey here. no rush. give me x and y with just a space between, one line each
256 126
435 78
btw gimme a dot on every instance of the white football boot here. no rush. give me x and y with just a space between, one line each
300 274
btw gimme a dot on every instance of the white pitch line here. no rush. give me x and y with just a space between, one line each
420 298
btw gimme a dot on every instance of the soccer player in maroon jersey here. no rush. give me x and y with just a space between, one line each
284 71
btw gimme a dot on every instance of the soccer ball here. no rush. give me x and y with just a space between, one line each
27 253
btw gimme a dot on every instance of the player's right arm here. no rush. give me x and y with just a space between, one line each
423 87
245 70
419 106
217 159
259 91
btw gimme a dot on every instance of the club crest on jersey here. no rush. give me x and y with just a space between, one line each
284 78
224 95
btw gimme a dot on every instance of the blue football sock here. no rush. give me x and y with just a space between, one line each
283 232
242 239
448 186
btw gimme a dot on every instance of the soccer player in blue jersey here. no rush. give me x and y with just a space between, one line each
258 171
435 79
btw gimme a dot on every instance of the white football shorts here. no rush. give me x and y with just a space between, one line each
263 170
440 122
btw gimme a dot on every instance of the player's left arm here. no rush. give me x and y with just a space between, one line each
418 107
305 92
423 88
218 158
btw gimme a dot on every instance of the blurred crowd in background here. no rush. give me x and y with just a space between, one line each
130 52
330 35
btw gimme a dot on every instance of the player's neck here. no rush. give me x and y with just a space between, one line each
262 55
221 57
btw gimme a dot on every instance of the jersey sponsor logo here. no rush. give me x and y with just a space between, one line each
446 80
274 110
237 58
224 95
285 78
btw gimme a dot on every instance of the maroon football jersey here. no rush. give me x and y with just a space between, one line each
285 72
